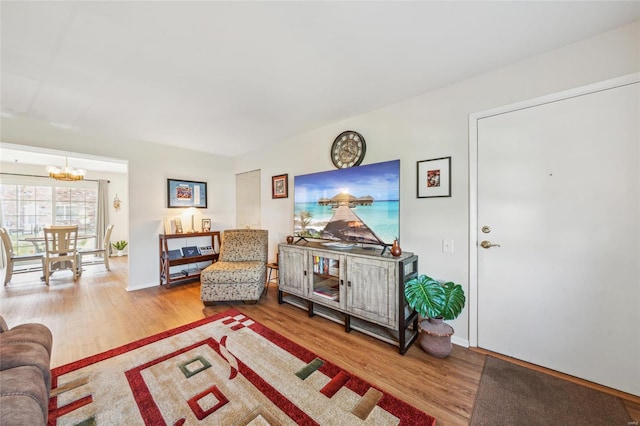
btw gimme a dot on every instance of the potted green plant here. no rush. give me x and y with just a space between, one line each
119 246
435 302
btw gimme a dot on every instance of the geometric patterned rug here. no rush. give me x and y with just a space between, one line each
222 370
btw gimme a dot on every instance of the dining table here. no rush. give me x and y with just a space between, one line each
38 242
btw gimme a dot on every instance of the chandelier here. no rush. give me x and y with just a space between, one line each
66 173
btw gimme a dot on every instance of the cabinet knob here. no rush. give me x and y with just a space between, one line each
348 283
341 282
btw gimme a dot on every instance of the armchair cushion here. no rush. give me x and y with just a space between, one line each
239 245
234 272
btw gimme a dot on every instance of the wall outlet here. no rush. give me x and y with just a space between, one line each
447 246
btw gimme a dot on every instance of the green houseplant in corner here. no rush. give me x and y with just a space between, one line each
435 302
119 246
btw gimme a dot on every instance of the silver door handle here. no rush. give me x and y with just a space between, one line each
487 244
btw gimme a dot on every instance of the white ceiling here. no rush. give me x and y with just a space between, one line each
230 77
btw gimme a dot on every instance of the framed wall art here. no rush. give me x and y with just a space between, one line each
434 178
280 186
186 193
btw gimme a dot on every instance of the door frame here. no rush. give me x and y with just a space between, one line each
473 174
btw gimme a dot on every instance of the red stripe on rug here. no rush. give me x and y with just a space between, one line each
335 384
66 409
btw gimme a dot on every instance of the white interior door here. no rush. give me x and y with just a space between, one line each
248 200
559 190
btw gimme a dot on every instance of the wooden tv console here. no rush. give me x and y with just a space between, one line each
354 286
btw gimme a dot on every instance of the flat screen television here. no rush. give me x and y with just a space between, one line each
356 205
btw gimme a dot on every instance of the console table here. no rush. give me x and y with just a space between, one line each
166 263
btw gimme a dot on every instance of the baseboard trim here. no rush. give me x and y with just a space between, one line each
459 341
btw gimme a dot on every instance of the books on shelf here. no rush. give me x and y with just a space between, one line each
331 293
174 254
190 271
324 265
204 250
190 251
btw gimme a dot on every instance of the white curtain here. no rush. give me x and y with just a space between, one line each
102 221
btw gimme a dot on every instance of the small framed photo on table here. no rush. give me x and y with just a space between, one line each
434 178
280 186
206 225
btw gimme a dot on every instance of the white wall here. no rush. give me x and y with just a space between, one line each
436 125
149 167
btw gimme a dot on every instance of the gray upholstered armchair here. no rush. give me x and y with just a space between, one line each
241 270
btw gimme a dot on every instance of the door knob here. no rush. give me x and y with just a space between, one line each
487 244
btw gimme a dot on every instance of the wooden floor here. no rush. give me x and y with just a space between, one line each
96 313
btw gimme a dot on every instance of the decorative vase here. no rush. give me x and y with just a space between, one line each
435 337
289 239
395 248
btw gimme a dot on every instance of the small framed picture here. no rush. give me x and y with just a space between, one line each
434 178
206 225
280 186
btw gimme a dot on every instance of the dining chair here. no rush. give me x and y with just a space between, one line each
60 250
12 257
99 251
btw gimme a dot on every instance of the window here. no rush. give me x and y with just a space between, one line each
30 203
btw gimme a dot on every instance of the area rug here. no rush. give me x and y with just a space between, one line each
222 370
510 394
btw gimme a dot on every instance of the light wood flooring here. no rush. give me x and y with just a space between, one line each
96 313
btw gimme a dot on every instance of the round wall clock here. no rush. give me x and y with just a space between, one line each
348 149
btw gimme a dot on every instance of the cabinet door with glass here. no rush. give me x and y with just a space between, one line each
327 279
371 290
292 271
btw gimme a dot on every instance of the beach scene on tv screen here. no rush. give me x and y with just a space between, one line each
358 204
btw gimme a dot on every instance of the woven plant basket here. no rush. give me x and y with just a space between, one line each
435 337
